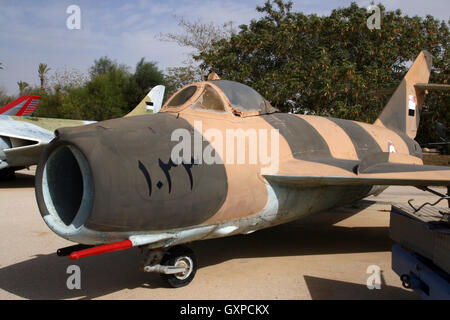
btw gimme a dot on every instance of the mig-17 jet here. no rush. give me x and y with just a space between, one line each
219 160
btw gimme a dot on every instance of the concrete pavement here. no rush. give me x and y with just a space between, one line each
322 257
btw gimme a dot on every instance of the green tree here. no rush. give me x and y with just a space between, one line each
105 65
59 85
4 97
112 90
22 86
331 65
42 71
50 104
145 77
102 98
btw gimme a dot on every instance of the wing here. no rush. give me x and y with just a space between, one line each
377 169
21 142
22 139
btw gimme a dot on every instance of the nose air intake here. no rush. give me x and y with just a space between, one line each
65 185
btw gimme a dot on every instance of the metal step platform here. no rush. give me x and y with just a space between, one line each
421 256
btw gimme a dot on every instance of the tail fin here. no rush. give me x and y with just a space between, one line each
401 113
152 102
23 106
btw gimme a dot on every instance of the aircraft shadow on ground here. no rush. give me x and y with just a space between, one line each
312 236
21 181
44 276
327 289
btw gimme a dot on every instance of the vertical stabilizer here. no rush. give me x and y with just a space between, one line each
151 103
402 112
23 106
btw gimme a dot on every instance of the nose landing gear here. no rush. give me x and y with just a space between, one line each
177 265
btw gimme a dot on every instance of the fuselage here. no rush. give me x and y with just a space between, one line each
106 181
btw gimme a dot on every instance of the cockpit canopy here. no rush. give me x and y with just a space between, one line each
220 96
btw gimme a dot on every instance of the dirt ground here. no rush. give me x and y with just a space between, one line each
323 257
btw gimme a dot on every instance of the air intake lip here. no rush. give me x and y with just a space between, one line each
64 188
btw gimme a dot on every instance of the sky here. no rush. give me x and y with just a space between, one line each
33 31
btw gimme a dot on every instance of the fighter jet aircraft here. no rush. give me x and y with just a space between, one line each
219 160
22 139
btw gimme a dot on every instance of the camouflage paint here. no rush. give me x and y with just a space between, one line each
124 154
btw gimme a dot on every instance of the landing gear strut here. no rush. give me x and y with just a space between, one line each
177 265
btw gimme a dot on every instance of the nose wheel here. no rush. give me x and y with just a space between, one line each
177 265
183 258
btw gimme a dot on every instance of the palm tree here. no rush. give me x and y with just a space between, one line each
43 70
22 85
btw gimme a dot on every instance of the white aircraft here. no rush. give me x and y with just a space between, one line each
22 139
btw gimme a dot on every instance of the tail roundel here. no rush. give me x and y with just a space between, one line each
23 106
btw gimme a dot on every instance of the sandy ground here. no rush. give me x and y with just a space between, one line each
322 257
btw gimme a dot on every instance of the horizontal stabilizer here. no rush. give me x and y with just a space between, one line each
373 161
432 86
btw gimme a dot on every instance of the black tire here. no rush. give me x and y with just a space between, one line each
180 255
